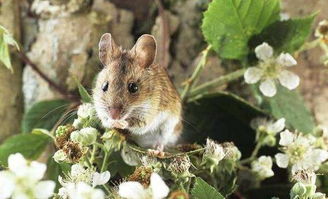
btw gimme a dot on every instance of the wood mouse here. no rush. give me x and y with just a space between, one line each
134 93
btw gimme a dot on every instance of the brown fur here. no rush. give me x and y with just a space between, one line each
153 82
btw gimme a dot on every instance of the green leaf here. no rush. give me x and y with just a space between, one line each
44 115
5 40
30 145
221 116
85 96
290 105
54 170
229 24
203 190
285 36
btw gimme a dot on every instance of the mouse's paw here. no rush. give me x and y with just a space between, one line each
120 124
158 151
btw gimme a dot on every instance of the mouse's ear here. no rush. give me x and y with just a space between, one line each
108 49
144 50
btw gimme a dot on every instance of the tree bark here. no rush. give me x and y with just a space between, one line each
11 106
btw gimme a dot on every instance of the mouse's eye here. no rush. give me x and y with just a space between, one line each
104 86
133 87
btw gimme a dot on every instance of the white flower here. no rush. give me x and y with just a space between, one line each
134 190
267 129
319 195
271 69
22 180
299 152
80 177
100 178
85 136
82 190
86 110
78 123
263 167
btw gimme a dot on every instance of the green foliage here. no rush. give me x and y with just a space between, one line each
44 115
54 170
5 40
221 116
288 35
85 96
30 145
290 105
229 24
203 190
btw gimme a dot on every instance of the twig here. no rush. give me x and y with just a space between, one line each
165 33
216 82
199 68
51 83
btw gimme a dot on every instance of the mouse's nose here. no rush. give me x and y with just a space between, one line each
115 112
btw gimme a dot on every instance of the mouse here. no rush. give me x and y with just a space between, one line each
134 93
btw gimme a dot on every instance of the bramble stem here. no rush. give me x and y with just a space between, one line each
253 155
199 68
104 163
204 88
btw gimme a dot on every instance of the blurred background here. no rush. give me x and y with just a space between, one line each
59 40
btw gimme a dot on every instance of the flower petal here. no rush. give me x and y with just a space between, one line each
17 164
264 51
268 88
278 126
44 189
131 190
282 160
100 178
285 59
37 170
159 188
7 184
286 138
289 79
253 75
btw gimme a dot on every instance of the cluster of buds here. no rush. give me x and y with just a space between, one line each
87 116
305 187
72 143
214 153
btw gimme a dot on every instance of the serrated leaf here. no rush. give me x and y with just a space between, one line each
44 115
229 24
290 105
30 145
85 96
203 190
285 36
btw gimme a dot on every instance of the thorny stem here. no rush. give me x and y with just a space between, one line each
204 88
199 68
51 83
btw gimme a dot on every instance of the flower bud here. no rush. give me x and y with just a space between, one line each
269 140
231 151
86 111
319 195
299 189
322 29
85 136
179 167
63 130
60 156
113 140
78 123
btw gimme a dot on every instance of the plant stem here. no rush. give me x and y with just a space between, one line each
104 163
253 155
199 68
204 88
93 154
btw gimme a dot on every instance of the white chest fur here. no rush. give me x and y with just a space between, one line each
160 131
